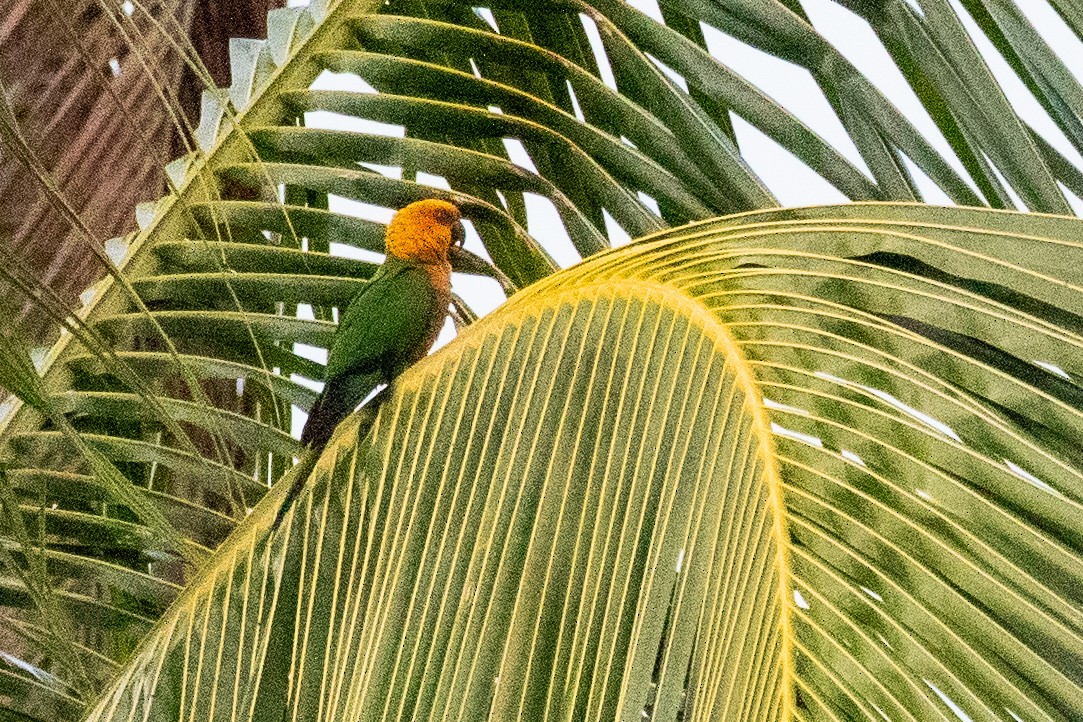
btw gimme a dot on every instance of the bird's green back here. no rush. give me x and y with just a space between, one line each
391 316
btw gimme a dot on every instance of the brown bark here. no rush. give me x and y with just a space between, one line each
102 136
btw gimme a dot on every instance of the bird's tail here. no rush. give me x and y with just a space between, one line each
321 423
340 396
299 475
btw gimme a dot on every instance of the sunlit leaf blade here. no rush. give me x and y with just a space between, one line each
558 463
772 464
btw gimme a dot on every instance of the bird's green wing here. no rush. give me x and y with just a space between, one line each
388 316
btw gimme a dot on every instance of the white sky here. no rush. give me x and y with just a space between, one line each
792 182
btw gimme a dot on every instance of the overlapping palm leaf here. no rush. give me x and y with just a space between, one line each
774 464
811 464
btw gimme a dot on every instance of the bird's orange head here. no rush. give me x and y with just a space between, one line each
425 231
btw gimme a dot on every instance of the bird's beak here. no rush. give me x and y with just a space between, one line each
458 234
463 261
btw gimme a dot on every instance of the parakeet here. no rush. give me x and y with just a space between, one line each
394 320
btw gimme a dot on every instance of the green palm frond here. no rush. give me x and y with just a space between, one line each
775 466
867 414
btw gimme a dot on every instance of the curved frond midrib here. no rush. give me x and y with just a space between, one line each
549 295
